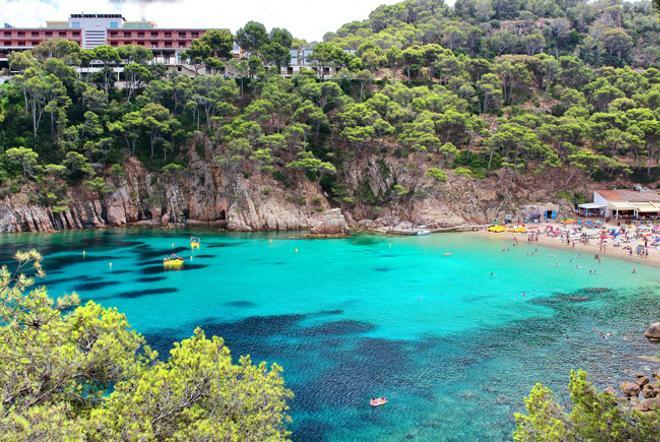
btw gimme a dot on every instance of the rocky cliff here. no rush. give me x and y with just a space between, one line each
404 197
386 194
201 195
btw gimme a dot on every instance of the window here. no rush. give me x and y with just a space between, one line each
114 25
75 24
182 35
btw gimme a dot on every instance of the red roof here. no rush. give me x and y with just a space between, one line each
611 195
630 195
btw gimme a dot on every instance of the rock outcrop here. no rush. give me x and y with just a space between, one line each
202 195
652 334
331 223
383 194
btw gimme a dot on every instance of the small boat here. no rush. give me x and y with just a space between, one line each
173 262
377 402
195 242
423 231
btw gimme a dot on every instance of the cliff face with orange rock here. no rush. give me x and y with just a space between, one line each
391 195
204 195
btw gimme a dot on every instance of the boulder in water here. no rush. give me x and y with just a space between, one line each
610 390
630 389
653 333
652 404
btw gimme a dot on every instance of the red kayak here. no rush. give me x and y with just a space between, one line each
378 402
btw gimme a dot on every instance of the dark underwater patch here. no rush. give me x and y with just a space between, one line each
161 342
148 292
383 269
48 282
151 279
342 327
596 290
148 253
241 304
219 245
311 430
89 286
329 312
204 256
364 240
261 326
60 262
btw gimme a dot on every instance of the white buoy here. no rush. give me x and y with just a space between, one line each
110 264
295 250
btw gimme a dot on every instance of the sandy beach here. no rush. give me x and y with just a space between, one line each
653 258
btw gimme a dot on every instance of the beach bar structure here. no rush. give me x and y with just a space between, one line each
633 204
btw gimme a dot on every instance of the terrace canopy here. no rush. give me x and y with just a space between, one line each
646 207
592 206
620 206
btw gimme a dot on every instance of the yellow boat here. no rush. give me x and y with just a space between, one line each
173 262
195 243
496 229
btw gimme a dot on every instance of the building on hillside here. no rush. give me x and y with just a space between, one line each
93 30
627 204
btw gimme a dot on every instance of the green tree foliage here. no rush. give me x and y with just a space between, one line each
482 86
593 416
80 373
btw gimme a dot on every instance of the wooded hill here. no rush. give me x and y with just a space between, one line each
485 88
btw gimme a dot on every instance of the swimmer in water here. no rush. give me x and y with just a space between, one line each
492 274
634 270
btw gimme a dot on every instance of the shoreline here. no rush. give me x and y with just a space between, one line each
652 260
592 249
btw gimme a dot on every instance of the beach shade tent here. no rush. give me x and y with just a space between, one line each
620 206
590 208
646 209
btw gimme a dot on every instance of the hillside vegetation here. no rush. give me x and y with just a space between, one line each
485 88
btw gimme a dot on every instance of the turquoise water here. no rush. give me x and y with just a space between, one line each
452 346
